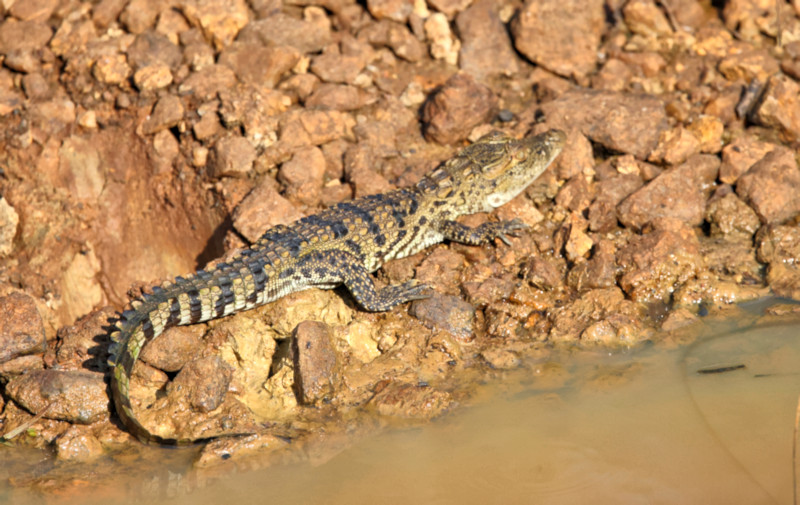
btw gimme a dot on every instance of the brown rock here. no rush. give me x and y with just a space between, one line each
396 37
72 37
599 272
445 312
576 194
779 106
23 35
221 30
442 41
106 12
341 97
335 67
396 10
485 45
600 315
708 130
615 75
544 272
748 64
171 351
207 82
79 445
658 262
152 77
646 18
205 382
677 193
442 268
167 113
77 397
140 15
111 69
675 146
623 122
151 48
740 155
21 327
562 36
262 209
234 156
258 65
460 105
360 164
316 365
772 186
39 10
611 191
304 175
207 127
9 219
778 244
449 7
280 29
729 215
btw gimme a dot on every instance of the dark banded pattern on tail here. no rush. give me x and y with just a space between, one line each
231 287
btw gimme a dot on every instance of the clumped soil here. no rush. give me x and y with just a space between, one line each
142 139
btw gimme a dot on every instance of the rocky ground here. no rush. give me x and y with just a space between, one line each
142 139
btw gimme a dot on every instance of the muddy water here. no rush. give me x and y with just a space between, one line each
643 427
631 427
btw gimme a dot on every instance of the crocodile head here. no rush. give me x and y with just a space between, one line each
501 167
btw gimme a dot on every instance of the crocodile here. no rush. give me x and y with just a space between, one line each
343 244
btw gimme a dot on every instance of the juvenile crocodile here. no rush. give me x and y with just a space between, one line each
341 245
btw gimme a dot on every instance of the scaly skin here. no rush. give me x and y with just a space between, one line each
341 245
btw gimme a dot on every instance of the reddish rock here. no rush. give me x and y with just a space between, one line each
544 272
258 65
779 106
315 362
167 112
576 194
460 105
304 175
280 29
772 186
234 156
206 82
174 348
562 36
740 155
445 312
611 191
262 209
396 37
677 193
23 35
396 10
622 122
341 97
658 262
600 271
205 382
77 397
361 164
646 18
21 327
151 48
485 46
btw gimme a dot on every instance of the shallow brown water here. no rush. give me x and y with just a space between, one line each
636 427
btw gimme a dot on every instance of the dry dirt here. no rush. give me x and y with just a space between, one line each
142 139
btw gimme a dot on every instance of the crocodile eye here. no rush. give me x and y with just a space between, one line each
521 155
